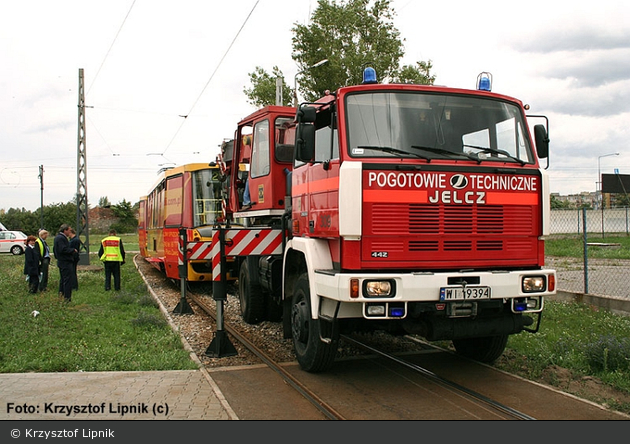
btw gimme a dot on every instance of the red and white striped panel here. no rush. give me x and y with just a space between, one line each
245 242
180 251
199 251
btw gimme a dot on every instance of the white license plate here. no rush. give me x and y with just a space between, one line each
459 293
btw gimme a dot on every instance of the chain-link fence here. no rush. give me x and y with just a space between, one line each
590 250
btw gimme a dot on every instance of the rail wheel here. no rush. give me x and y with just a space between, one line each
312 353
487 349
250 293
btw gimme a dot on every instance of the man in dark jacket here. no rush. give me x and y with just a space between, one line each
31 263
64 254
75 243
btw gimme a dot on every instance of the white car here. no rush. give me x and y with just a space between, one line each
12 242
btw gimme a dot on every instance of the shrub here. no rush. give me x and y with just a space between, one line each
608 354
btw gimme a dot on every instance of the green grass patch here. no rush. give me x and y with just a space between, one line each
573 246
578 337
98 331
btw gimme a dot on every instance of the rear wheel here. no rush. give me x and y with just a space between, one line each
250 293
312 353
486 349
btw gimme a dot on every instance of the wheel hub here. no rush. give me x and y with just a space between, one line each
299 321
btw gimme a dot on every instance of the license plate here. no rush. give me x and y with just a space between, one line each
459 293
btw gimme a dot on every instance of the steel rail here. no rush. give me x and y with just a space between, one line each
444 382
309 395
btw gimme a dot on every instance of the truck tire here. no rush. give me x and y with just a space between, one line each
485 350
250 293
312 353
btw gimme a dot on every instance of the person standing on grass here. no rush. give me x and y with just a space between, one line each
112 254
44 257
31 264
75 243
64 254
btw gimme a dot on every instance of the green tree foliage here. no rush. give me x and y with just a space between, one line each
263 90
419 74
29 221
350 34
104 202
557 204
127 222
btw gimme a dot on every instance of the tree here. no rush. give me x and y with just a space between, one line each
28 221
127 222
263 90
420 74
351 35
104 202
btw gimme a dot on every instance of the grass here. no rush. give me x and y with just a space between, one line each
116 331
97 331
574 247
587 341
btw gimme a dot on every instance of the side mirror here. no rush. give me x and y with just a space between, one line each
542 141
305 142
306 114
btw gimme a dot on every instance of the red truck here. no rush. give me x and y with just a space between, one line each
412 209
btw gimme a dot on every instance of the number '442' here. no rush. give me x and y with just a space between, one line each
379 254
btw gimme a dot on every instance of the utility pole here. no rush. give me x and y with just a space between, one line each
41 201
82 203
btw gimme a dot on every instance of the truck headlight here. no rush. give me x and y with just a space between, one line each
534 284
379 289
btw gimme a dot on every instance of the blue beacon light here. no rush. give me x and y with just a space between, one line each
484 81
369 75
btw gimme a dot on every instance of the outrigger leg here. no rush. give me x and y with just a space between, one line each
220 346
183 307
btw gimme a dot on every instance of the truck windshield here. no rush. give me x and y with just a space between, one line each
435 126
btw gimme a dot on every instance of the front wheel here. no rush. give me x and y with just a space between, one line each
487 349
312 353
16 250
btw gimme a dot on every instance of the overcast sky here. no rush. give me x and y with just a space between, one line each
148 62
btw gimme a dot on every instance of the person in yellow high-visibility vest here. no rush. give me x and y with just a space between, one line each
112 254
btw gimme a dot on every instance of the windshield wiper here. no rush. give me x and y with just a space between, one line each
495 151
390 150
443 151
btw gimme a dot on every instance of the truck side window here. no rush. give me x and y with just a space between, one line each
323 143
260 150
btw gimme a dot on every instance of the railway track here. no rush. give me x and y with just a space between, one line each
377 376
329 412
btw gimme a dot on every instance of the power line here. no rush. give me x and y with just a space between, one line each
111 46
185 117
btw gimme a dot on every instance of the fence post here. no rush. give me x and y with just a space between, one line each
585 251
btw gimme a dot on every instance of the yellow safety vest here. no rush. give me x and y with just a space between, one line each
111 249
41 247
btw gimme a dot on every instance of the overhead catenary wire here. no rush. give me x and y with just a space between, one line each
111 46
185 116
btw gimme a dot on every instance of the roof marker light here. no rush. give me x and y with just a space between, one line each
484 81
369 76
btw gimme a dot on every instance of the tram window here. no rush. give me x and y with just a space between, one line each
206 196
